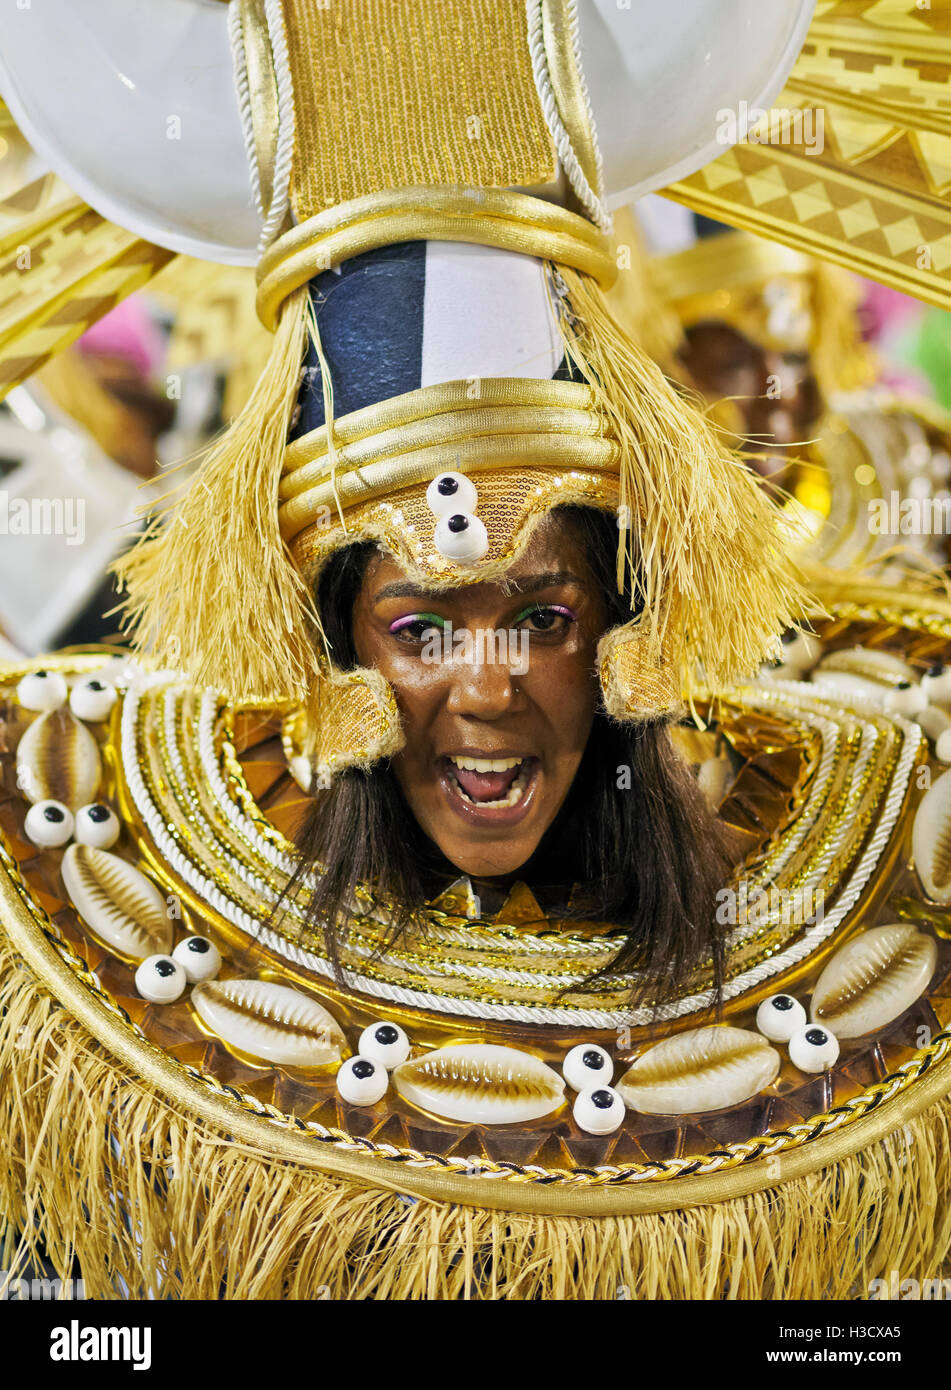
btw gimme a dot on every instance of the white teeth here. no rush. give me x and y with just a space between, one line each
514 794
486 764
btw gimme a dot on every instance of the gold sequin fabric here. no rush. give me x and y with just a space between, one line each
402 93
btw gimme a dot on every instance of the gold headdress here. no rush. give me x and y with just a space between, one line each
226 588
779 297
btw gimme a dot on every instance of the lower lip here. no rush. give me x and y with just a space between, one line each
474 814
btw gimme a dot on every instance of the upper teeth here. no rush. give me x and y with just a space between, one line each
486 764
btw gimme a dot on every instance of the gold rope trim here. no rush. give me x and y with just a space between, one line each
499 445
95 1166
567 81
484 217
451 398
262 89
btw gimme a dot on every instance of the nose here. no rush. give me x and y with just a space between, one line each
480 689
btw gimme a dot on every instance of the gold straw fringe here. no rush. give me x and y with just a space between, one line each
704 541
97 1167
214 590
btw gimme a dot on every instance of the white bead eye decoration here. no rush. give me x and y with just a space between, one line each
385 1043
779 1016
587 1066
49 824
906 699
97 825
598 1111
813 1049
361 1081
462 537
936 684
92 699
800 649
451 492
160 980
42 691
199 958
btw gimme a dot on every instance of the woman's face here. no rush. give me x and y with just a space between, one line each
497 688
776 393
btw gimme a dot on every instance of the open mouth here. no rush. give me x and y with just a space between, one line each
490 788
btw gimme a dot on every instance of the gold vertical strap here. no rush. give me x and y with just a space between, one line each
559 19
262 87
393 94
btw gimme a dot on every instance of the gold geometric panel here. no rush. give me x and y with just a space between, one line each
62 267
866 188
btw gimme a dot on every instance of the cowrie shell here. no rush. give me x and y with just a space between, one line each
869 663
269 1021
703 1069
873 978
58 760
117 903
480 1083
931 840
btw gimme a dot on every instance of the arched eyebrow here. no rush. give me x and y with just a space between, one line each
531 583
526 584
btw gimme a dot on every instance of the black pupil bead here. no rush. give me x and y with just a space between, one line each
904 685
817 1037
164 968
386 1035
594 1060
96 685
447 487
362 1069
99 812
458 523
936 670
42 675
782 1001
789 637
53 813
198 944
602 1099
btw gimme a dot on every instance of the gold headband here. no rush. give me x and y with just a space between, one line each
510 423
485 217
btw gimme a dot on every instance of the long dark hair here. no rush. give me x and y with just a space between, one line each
634 843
